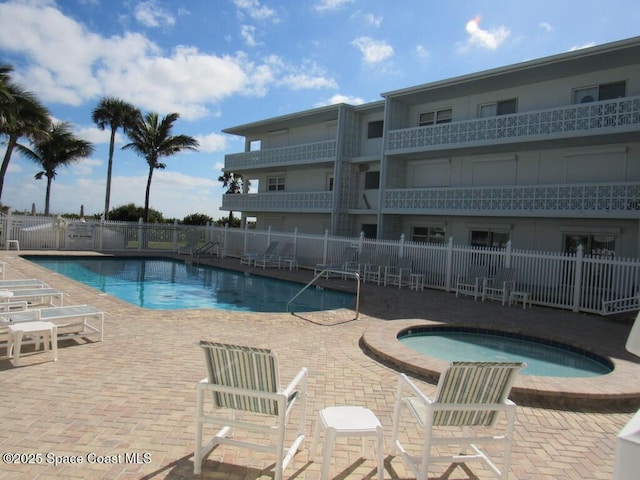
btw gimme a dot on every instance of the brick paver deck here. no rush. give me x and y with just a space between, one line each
125 407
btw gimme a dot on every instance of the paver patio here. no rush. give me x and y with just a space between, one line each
125 407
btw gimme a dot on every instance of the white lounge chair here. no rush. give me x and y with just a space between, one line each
360 263
72 321
250 258
499 286
472 282
245 381
35 296
374 272
28 283
471 405
288 258
346 257
274 260
399 273
193 238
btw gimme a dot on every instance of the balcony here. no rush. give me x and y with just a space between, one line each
592 200
307 202
610 116
307 153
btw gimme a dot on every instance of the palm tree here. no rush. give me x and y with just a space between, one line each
233 182
5 94
151 138
114 113
61 147
21 115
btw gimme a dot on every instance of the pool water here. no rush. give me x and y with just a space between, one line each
543 359
172 284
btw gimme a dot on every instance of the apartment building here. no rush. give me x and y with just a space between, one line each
545 153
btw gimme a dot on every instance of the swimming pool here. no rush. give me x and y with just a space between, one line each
544 359
160 283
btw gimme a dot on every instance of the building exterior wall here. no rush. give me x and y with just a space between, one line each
546 174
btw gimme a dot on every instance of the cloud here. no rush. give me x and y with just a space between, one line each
580 47
489 39
546 26
96 136
421 51
254 10
248 33
151 14
330 5
70 65
367 18
339 98
85 166
373 51
212 142
309 75
170 192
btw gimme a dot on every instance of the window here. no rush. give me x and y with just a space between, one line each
503 107
330 183
595 93
370 230
275 184
599 245
435 117
489 238
374 129
427 234
371 180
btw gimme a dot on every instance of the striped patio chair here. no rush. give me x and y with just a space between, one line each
471 405
243 382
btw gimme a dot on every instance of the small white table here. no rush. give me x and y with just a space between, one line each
416 281
14 243
46 332
347 421
523 297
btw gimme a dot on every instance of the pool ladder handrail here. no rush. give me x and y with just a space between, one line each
205 248
356 275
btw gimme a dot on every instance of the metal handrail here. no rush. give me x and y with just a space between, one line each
356 275
206 247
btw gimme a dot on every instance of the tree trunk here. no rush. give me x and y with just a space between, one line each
109 170
11 143
147 195
47 196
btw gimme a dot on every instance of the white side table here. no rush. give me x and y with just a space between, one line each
14 243
46 332
416 281
347 421
523 297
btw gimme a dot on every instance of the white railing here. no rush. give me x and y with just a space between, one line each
577 282
610 116
601 199
293 155
279 201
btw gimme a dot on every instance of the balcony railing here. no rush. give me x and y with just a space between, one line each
279 202
602 200
611 116
294 155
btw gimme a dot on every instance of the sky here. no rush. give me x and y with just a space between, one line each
224 63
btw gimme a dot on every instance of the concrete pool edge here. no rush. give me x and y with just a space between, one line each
616 391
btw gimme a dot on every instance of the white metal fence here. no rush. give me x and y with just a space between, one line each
578 282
